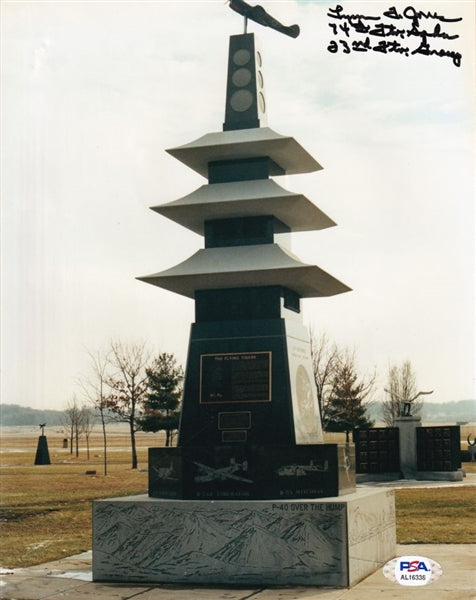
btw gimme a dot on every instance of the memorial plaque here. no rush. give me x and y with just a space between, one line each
234 436
234 420
438 448
235 377
377 450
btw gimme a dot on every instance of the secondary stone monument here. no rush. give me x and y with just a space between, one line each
408 450
250 436
42 456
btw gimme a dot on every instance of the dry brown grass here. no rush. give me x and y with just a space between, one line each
45 511
436 515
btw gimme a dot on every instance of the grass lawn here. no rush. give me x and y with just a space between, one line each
45 511
436 515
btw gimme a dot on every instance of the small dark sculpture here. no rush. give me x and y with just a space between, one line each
42 427
407 404
259 15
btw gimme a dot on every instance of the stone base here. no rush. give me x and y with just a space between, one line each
377 477
332 542
439 475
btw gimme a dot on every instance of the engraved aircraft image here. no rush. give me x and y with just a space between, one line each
165 472
210 474
302 470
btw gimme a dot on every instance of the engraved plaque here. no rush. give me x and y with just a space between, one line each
234 420
235 377
377 450
234 436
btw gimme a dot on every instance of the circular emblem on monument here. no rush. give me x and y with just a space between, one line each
305 399
241 77
241 57
241 100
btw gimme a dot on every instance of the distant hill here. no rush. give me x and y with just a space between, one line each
14 414
434 412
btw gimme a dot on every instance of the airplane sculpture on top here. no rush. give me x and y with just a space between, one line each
259 15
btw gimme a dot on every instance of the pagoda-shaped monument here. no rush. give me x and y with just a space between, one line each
251 494
250 405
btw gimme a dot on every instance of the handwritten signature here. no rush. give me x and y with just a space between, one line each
358 32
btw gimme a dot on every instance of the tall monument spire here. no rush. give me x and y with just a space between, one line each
245 98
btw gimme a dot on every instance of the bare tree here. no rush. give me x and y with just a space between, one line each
87 425
96 390
73 424
401 390
68 427
326 358
129 386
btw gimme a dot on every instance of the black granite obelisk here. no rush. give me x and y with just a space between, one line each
250 424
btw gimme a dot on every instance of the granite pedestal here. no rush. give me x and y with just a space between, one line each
408 447
42 456
332 542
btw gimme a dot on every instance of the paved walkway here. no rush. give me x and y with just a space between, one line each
71 578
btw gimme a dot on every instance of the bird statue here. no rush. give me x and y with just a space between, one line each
259 15
407 402
42 427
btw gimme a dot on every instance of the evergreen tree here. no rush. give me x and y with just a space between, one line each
162 403
346 409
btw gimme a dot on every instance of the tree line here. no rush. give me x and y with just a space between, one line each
127 384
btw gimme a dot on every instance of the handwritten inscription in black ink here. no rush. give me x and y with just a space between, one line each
409 32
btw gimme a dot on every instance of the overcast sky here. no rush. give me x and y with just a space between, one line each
94 92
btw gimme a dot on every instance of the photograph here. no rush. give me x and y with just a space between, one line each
238 309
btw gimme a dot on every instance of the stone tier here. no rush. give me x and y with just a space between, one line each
239 199
246 266
288 156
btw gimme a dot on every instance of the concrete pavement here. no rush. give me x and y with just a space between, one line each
71 579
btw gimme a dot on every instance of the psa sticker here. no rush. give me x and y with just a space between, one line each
412 570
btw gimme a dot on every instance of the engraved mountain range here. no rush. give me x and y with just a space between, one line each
253 539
